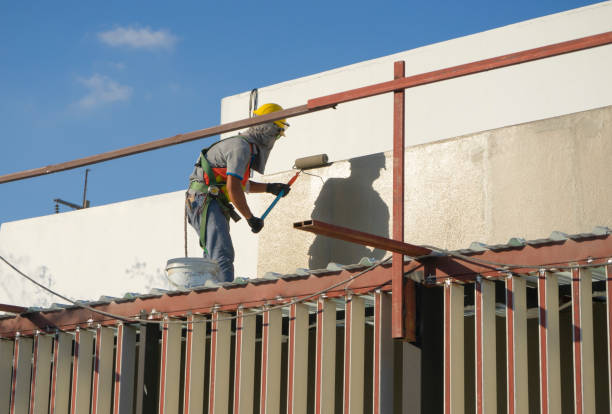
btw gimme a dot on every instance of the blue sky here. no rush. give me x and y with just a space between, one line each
79 78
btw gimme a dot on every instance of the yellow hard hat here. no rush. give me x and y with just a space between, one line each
268 109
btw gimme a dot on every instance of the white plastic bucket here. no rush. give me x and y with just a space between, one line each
189 272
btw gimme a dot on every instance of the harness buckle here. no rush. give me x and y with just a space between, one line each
213 190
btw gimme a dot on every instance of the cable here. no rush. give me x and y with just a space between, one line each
138 320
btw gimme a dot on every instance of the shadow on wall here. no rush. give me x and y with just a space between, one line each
350 202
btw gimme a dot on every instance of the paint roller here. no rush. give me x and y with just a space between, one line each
301 164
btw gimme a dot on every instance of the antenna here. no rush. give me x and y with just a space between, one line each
75 206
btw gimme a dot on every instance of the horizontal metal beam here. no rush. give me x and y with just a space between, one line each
160 143
462 70
359 237
12 308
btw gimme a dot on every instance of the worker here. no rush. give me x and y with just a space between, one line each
218 184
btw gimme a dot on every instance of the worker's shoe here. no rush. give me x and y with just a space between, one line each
276 188
256 224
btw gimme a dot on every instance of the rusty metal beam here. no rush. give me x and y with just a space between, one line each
160 143
354 236
12 308
463 70
397 269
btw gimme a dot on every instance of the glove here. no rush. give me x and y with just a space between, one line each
276 188
256 224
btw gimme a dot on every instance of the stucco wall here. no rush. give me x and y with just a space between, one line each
520 181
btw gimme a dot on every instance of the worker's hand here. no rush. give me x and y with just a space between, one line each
276 188
256 224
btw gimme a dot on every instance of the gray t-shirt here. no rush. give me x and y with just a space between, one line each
233 153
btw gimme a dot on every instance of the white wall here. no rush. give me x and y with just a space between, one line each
106 250
537 90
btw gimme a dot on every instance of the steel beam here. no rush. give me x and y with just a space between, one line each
325 357
244 366
195 348
22 370
219 363
397 269
383 355
354 236
12 308
297 359
354 353
41 374
102 388
463 70
550 368
60 375
170 370
485 345
516 345
454 371
582 329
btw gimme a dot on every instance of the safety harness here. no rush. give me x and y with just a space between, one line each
211 184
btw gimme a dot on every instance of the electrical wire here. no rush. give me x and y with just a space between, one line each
147 321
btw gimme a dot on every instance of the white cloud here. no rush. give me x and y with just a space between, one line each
138 38
103 90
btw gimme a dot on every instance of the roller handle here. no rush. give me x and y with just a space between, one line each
279 196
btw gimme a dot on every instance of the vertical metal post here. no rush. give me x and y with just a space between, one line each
454 372
354 343
486 374
125 369
297 359
383 355
6 373
101 399
195 347
550 368
244 366
41 374
397 269
271 338
326 357
170 368
219 364
60 375
516 345
22 367
82 371
582 322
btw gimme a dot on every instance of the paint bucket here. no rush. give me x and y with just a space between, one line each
189 272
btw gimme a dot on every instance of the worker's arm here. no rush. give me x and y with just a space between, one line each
236 195
272 188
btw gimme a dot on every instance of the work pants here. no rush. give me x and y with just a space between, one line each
219 242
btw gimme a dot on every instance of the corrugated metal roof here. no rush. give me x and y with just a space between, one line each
271 277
